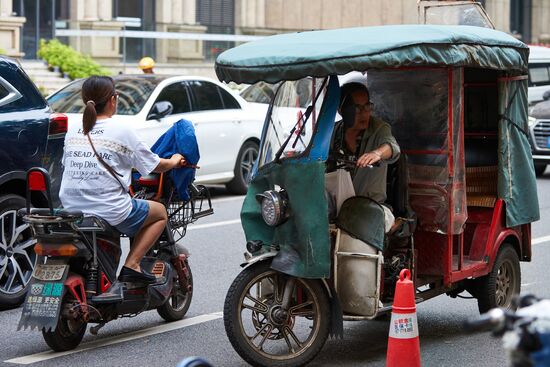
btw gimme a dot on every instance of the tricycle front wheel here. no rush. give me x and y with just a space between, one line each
498 288
262 332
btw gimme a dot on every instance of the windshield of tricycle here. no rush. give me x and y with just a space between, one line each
422 106
293 118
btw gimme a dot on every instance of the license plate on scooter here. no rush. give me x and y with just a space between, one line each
46 272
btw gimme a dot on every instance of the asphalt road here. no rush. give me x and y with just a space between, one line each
217 245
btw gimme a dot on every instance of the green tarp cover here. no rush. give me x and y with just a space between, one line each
339 51
303 238
517 184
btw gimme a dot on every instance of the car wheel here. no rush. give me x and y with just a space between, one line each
243 168
539 169
17 256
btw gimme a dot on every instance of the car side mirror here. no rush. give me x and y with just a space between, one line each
546 95
160 110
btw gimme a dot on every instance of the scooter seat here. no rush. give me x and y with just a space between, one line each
58 212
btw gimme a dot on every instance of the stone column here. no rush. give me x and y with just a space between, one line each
10 30
105 9
189 12
95 15
178 16
257 17
541 22
499 12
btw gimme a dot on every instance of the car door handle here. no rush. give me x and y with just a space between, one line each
237 121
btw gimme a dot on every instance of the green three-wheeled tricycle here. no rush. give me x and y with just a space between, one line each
463 189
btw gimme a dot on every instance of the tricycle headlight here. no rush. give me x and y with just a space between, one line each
274 206
531 121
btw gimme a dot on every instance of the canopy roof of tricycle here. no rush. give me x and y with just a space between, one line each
339 51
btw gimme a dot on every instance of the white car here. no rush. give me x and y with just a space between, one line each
539 72
227 127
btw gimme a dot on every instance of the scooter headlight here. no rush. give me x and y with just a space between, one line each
274 206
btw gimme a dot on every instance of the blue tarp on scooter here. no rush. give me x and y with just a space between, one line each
180 138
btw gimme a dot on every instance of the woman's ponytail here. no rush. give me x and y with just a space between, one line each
96 92
89 118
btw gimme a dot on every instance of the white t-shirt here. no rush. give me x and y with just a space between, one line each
88 186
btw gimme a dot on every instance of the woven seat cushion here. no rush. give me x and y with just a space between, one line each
481 186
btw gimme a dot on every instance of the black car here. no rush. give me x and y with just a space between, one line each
30 135
539 134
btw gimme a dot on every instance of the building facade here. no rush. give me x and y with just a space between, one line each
24 22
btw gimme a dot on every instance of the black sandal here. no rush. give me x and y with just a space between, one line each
131 276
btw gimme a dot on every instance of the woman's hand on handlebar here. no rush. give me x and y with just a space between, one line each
178 160
175 161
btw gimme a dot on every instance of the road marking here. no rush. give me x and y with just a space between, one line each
44 356
215 224
223 200
536 241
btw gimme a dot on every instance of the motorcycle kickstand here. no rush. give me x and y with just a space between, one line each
95 329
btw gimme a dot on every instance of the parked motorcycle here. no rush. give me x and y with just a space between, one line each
525 333
81 257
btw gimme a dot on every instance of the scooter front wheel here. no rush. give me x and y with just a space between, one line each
178 304
262 331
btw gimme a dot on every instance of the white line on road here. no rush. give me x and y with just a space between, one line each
536 241
215 224
223 200
38 357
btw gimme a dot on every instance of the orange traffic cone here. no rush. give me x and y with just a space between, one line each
403 342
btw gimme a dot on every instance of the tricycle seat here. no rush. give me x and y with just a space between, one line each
481 186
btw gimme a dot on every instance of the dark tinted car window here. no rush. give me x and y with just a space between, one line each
177 95
206 95
30 97
3 91
133 94
539 74
228 100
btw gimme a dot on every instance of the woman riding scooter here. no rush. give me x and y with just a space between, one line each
98 160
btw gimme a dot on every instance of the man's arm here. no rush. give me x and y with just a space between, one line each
382 153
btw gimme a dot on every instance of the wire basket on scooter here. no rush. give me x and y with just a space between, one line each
181 213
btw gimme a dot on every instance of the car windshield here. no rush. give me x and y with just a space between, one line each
289 111
461 13
133 94
263 92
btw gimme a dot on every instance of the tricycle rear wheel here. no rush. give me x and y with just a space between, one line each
262 332
498 288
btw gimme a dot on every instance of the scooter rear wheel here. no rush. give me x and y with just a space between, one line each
262 332
67 335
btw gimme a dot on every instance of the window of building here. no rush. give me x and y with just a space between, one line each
137 15
219 18
520 19
40 21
